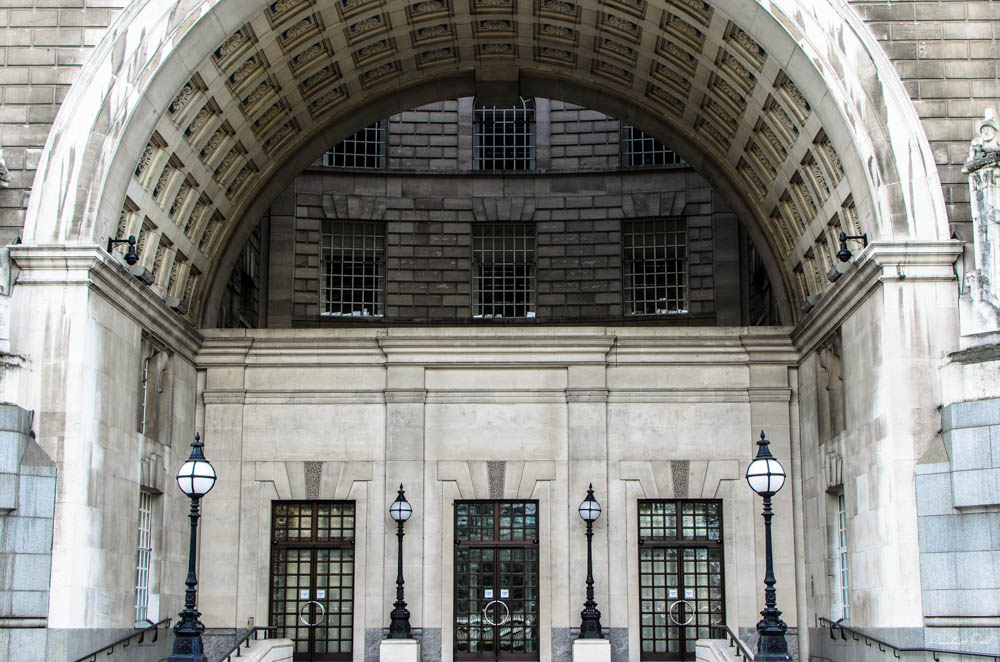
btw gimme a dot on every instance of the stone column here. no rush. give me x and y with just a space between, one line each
980 311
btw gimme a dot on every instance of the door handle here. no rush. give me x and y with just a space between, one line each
307 623
486 616
670 613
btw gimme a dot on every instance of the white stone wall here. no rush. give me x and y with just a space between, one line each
563 407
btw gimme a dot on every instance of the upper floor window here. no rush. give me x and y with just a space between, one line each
144 556
655 265
642 149
842 580
503 268
365 149
505 137
353 276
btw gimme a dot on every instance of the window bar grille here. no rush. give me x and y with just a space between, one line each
655 257
845 603
365 149
145 553
505 137
641 149
353 280
504 270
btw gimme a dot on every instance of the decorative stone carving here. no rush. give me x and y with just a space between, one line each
830 390
182 98
980 304
4 173
496 470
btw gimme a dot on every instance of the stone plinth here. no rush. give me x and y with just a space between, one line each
592 650
399 650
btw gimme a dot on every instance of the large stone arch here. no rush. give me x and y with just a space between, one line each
190 116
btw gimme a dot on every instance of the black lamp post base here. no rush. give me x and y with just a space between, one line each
772 646
188 649
590 624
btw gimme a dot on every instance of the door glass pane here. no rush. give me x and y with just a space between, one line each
312 577
474 582
497 582
681 596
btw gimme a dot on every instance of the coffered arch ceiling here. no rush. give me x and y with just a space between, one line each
191 116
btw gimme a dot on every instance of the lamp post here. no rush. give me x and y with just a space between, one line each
196 479
766 476
590 623
399 619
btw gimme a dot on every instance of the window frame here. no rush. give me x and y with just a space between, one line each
529 275
522 136
841 562
361 138
630 288
327 253
144 557
657 155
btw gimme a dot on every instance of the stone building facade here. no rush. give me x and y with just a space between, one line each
335 331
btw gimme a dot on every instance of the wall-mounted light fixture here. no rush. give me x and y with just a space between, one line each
844 254
131 257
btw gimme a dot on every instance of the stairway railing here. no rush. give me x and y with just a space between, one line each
885 646
252 632
735 641
125 641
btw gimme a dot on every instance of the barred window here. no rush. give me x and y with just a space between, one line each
641 149
505 137
353 277
655 261
365 149
503 256
842 579
145 553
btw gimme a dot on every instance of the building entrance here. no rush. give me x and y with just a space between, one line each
681 588
312 577
496 580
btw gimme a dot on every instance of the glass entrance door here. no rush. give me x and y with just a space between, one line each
681 588
496 580
312 577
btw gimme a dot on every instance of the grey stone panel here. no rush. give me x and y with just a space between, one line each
975 413
430 645
372 638
968 532
969 448
934 494
219 642
562 643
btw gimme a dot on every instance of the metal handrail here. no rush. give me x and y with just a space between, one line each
125 641
252 632
738 643
858 635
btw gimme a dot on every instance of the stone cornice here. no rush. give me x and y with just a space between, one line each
880 262
88 265
502 347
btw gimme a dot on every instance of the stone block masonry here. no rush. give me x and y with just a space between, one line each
43 46
428 223
946 53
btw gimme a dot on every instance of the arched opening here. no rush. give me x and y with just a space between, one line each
802 143
188 124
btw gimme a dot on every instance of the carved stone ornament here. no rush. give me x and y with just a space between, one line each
980 304
985 149
4 173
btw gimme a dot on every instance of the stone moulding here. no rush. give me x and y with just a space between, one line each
880 262
45 265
